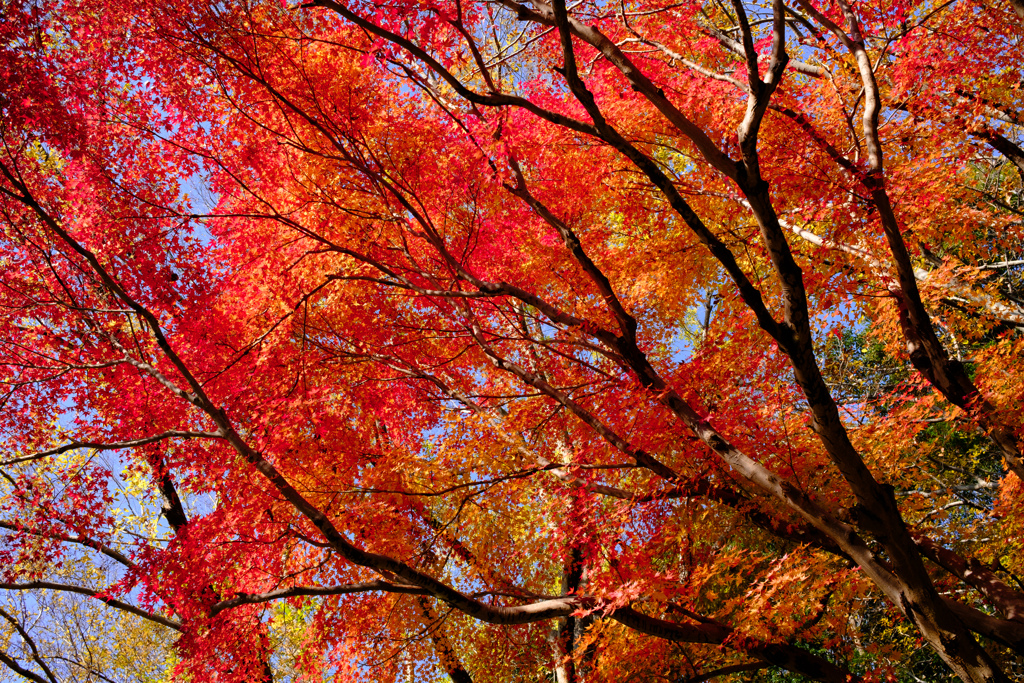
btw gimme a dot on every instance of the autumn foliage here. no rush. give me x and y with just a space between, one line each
500 341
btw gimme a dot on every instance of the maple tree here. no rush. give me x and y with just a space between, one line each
510 341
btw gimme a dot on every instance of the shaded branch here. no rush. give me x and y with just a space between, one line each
80 540
972 572
27 639
13 665
298 591
98 595
725 671
112 446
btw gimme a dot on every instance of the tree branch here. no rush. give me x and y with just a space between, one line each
98 595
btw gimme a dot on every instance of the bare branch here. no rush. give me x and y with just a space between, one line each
98 595
298 591
112 445
27 639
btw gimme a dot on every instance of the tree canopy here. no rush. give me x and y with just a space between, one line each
501 340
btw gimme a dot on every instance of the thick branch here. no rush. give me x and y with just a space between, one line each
27 639
13 665
1005 147
1007 600
545 14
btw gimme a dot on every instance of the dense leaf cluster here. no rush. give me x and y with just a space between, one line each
489 340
